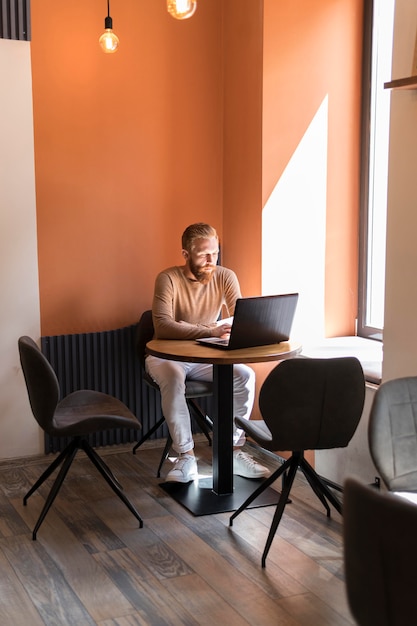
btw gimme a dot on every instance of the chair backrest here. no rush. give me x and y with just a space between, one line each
380 550
313 404
41 382
392 433
144 333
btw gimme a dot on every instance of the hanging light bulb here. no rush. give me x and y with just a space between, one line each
181 9
108 41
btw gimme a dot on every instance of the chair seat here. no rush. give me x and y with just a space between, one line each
85 412
257 429
193 388
198 389
406 495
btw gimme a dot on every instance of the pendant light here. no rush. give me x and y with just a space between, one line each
181 9
108 41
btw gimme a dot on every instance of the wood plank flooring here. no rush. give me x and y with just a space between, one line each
91 564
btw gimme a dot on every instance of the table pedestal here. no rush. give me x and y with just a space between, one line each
200 499
223 492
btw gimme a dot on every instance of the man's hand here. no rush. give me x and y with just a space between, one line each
221 330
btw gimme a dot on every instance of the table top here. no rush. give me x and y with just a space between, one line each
193 352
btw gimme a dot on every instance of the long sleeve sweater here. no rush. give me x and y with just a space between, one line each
187 309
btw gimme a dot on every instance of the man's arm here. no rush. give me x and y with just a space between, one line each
231 291
165 299
196 318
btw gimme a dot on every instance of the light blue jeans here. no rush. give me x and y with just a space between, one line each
170 377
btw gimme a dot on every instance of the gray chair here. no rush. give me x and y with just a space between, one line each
306 404
380 551
76 416
194 389
392 433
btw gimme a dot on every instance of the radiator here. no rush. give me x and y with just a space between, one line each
103 361
15 20
106 361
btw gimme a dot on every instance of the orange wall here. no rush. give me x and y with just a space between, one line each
313 50
128 151
188 121
242 184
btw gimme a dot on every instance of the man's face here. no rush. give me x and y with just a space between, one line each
201 261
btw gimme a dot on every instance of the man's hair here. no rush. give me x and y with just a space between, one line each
197 231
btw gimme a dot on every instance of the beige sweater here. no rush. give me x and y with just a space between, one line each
186 309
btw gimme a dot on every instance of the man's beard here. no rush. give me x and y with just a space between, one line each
202 274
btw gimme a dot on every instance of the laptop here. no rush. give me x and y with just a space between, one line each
258 321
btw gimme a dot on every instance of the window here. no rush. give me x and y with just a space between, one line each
379 22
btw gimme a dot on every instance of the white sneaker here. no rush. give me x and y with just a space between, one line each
246 466
184 470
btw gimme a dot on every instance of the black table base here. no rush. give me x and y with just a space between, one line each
200 499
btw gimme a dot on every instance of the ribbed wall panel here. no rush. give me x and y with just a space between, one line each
15 20
106 361
103 361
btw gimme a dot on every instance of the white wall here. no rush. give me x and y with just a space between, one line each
19 310
400 331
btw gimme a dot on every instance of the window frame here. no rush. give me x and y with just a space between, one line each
364 329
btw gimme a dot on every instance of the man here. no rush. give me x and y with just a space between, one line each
187 302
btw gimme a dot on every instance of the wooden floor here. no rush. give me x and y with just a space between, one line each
91 564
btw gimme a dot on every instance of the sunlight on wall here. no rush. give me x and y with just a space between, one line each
294 230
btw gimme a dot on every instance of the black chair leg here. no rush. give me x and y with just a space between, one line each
165 455
51 468
283 479
166 448
106 468
148 434
202 420
266 483
69 457
314 478
294 462
318 493
109 478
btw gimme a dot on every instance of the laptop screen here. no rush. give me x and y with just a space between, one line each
259 321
